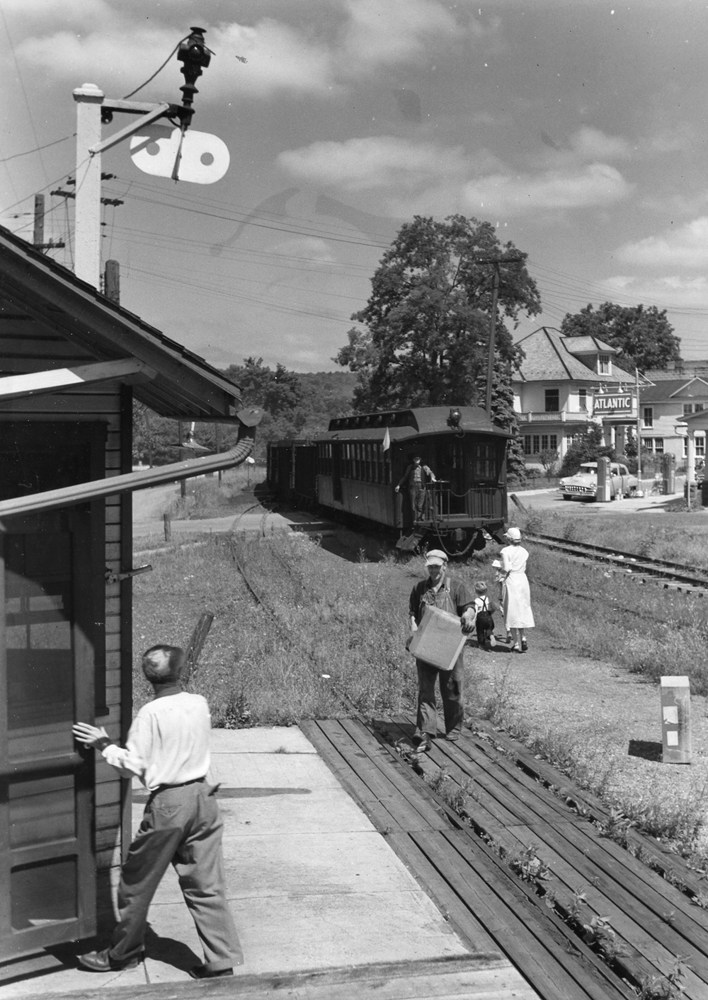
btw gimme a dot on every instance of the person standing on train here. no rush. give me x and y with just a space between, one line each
416 478
439 591
517 595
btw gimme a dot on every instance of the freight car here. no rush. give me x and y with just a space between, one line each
356 465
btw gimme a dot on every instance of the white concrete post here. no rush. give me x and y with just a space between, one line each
87 210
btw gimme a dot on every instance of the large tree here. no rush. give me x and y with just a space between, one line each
643 335
423 335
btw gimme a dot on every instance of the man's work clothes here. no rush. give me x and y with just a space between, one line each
449 595
168 749
416 478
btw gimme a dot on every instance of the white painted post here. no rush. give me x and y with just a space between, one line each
676 720
87 210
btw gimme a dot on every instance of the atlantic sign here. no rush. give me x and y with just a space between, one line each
614 404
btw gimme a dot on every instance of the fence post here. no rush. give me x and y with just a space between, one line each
167 520
676 720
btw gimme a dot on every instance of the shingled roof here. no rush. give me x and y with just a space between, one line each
549 358
682 388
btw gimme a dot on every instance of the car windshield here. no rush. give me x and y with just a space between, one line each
588 470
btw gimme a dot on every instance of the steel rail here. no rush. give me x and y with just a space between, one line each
656 570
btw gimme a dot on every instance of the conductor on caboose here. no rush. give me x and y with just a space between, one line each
417 478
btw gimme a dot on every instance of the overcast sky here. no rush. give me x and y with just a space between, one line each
577 127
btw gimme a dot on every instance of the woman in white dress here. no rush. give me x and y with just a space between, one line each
517 597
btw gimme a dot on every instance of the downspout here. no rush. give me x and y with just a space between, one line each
67 496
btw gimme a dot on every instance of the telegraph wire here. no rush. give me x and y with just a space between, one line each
36 149
151 78
24 92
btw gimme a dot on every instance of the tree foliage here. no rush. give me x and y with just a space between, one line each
425 329
587 447
643 335
424 333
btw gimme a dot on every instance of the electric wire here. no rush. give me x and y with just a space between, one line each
36 149
24 92
151 78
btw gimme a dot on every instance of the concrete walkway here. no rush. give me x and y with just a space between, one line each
312 884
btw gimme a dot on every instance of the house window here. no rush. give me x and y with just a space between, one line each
582 399
544 442
603 364
658 446
648 418
687 408
697 407
527 444
535 449
552 400
553 442
700 446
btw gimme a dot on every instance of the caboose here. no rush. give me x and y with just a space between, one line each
355 466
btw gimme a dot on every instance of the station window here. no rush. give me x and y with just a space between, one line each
648 416
544 442
697 407
700 446
527 444
553 442
658 446
582 399
535 449
552 400
603 364
687 408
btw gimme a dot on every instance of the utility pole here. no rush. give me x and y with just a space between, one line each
495 262
38 235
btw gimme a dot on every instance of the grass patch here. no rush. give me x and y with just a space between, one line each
331 639
211 497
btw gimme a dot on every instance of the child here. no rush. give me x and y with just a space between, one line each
499 578
484 621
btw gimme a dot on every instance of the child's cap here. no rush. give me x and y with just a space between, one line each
497 564
480 587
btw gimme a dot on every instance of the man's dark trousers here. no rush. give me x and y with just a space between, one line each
451 693
181 826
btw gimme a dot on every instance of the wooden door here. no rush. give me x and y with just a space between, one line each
47 873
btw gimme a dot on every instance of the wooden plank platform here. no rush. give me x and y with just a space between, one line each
515 804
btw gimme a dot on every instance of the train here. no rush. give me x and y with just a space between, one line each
353 470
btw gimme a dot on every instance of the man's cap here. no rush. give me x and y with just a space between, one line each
436 557
514 534
480 587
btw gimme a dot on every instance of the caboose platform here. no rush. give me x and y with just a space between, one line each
348 875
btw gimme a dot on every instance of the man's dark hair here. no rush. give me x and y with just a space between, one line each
417 457
163 664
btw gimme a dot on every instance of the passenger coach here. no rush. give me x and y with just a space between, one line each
355 466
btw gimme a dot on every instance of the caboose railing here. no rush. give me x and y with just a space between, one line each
445 504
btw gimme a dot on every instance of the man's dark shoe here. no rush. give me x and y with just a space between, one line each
101 961
201 972
423 745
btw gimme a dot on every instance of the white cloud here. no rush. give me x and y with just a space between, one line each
507 194
279 58
685 246
590 145
667 292
394 31
373 162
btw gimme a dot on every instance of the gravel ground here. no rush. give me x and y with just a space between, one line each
611 718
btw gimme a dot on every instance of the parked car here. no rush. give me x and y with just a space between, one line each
583 485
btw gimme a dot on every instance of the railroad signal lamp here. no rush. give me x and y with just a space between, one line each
454 418
194 56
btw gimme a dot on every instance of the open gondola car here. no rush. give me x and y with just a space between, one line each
355 466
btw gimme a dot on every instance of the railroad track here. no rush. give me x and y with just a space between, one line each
671 575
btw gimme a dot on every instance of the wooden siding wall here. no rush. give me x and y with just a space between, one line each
102 404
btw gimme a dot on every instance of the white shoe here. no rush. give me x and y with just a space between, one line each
492 641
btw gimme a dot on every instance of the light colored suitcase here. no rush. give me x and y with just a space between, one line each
439 639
